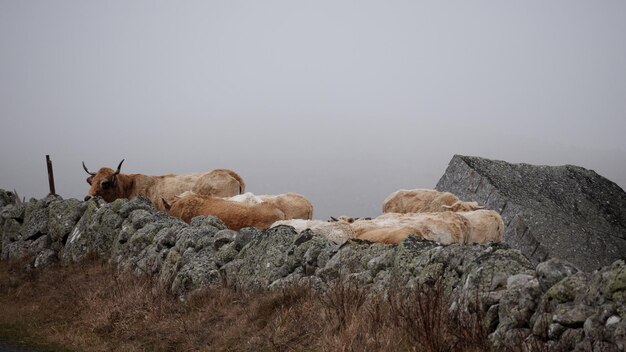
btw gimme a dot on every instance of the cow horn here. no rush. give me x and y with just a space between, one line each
118 168
85 167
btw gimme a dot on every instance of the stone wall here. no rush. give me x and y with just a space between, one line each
552 304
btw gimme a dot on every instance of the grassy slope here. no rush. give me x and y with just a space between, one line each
93 307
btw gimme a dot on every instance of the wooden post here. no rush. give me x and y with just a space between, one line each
50 174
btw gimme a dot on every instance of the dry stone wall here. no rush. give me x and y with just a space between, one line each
552 304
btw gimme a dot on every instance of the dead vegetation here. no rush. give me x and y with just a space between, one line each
94 307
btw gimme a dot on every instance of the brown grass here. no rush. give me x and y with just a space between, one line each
93 307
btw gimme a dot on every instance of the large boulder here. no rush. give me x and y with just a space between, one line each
564 212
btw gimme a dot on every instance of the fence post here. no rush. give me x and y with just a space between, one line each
50 174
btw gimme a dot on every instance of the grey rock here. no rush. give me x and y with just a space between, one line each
45 258
35 220
62 218
124 207
245 235
570 338
11 230
572 315
518 281
620 335
548 211
224 237
552 271
208 220
7 198
555 331
542 324
603 346
195 237
569 288
140 217
613 320
491 318
226 254
95 232
519 301
197 270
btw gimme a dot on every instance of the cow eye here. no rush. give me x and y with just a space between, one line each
89 179
106 184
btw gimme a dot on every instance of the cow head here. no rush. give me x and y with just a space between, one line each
103 183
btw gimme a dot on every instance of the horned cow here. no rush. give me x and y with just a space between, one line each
111 185
235 215
425 200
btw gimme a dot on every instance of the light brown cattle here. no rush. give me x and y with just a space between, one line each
425 200
338 232
443 227
486 226
295 206
235 215
111 185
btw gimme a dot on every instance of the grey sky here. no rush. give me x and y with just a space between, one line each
342 101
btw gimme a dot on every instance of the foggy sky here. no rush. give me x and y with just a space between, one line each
341 101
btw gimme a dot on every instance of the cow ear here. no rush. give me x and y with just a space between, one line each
89 179
166 205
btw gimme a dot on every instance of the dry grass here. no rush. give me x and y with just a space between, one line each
93 307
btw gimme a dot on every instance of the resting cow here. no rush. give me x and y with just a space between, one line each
425 200
443 227
111 185
295 206
338 232
235 215
486 226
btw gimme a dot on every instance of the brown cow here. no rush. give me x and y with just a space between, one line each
336 231
486 226
235 215
425 200
295 206
111 185
444 227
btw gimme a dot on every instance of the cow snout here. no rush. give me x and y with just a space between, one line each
87 198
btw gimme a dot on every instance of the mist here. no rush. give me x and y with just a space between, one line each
341 101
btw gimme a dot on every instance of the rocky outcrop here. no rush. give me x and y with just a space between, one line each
565 212
551 304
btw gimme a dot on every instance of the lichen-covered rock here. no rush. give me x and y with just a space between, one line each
565 212
265 259
62 218
95 232
25 230
569 288
208 220
518 304
7 198
552 271
197 270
